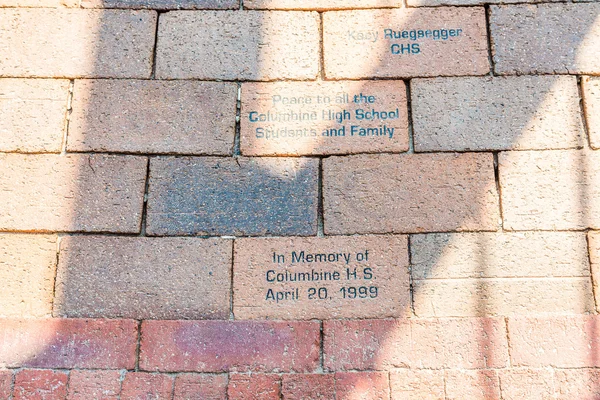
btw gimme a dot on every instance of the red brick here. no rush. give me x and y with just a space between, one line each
518 384
32 384
6 381
413 384
319 4
472 385
581 384
68 343
142 385
254 387
98 384
362 386
200 386
308 387
216 346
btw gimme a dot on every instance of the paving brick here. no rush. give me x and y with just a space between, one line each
97 384
500 113
68 343
31 384
254 387
334 277
362 386
319 4
163 4
244 45
27 269
557 189
76 43
241 196
472 385
6 381
142 278
33 114
409 193
517 384
200 386
577 384
360 44
546 38
308 387
39 3
241 346
411 384
142 385
91 193
594 248
141 116
591 96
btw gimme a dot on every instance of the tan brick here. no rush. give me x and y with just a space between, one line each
319 4
142 116
163 4
591 96
76 43
409 193
248 45
71 193
143 278
581 384
355 43
546 38
39 3
501 113
32 114
557 189
362 386
518 384
334 277
412 384
472 385
594 249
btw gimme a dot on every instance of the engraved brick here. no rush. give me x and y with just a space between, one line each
518 384
319 4
546 38
40 384
246 45
142 385
362 385
76 43
97 384
334 277
360 44
591 96
409 193
291 118
242 196
71 193
422 384
142 278
200 386
6 380
254 387
472 385
501 113
163 4
577 384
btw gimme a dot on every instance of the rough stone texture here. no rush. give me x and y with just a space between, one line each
98 384
412 384
383 275
39 3
254 387
142 385
241 45
320 131
501 113
200 386
355 46
308 386
144 278
546 38
27 269
409 193
141 116
518 384
6 380
362 386
558 189
319 4
33 384
472 385
591 96
73 43
241 196
91 193
577 384
162 4
32 114
240 346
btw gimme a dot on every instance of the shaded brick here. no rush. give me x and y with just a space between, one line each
141 116
355 45
411 384
216 346
68 343
472 385
518 384
241 196
577 384
6 381
76 43
196 386
433 3
98 384
254 387
319 4
308 387
91 193
409 193
383 277
362 386
246 45
163 4
501 113
31 384
591 96
546 38
142 385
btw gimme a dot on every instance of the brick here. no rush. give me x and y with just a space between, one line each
390 193
141 116
33 114
577 384
27 269
355 43
591 101
144 278
362 386
241 346
308 387
6 381
254 387
561 341
241 45
594 248
90 193
31 384
163 4
39 3
472 385
500 113
546 38
241 196
517 384
200 386
281 278
98 384
557 189
68 343
321 5
142 385
77 43
410 384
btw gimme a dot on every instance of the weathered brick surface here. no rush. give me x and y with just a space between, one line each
594 248
591 95
308 386
362 386
162 4
242 196
68 343
200 386
557 189
363 276
97 384
577 384
472 385
501 113
409 193
76 43
410 384
216 346
38 3
32 384
518 384
355 45
32 114
248 45
143 385
319 4
141 278
6 381
254 387
546 38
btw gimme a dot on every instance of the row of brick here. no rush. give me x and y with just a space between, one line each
256 45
